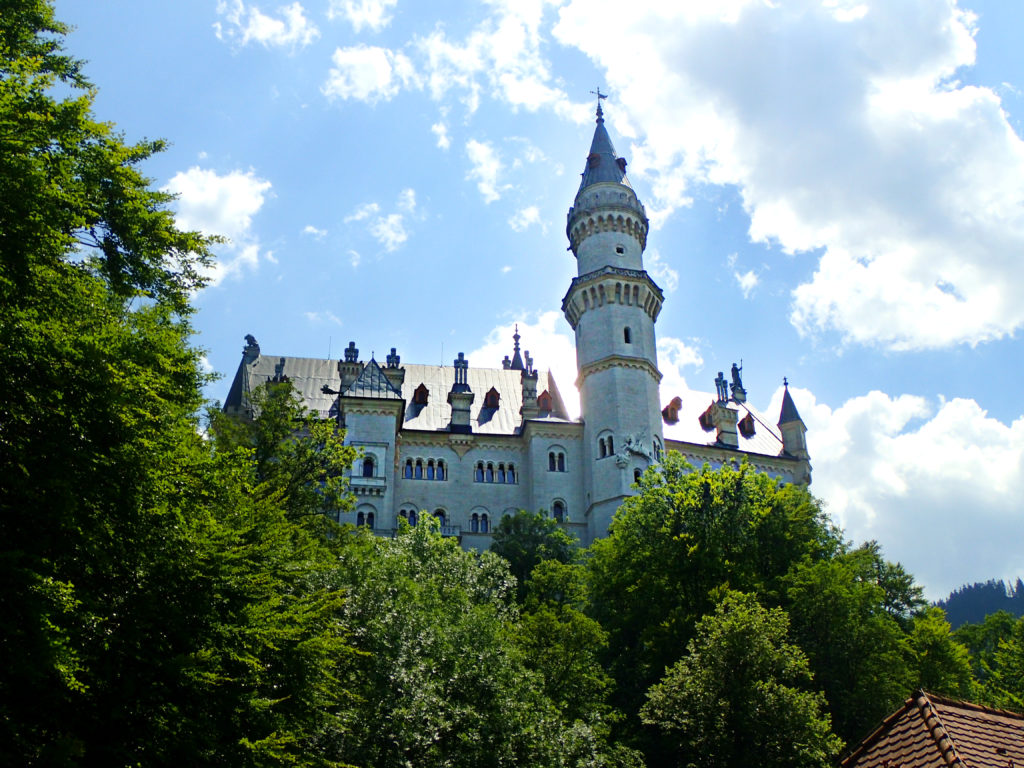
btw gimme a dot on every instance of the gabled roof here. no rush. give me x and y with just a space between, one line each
372 382
931 731
602 163
765 439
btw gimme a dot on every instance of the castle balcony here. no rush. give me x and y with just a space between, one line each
451 530
367 486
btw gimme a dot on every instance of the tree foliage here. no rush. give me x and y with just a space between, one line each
527 538
741 695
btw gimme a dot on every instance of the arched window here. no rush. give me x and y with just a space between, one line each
368 467
441 475
440 515
657 449
511 474
558 510
408 469
489 477
474 523
627 336
360 518
478 475
409 515
551 461
602 448
501 473
430 470
636 475
611 446
419 469
561 462
485 525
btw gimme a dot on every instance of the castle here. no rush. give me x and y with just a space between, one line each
470 444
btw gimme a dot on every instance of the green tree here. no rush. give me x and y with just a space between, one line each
742 695
161 610
983 639
527 538
1004 684
442 683
677 546
943 665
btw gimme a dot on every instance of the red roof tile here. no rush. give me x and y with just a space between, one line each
934 732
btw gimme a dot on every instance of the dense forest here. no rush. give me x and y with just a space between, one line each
173 590
971 603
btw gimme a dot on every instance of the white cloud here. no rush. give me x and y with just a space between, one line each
375 14
551 345
354 258
486 167
675 355
313 232
222 205
846 133
938 484
524 218
747 281
322 318
407 200
440 130
662 273
364 211
249 24
506 269
368 73
389 231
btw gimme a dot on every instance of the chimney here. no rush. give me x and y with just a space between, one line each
394 373
530 409
724 419
461 397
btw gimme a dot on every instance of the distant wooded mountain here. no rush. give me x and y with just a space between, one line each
971 603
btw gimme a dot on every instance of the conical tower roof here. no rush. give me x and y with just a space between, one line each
603 165
789 412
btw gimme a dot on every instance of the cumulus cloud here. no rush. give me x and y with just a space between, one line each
248 24
525 217
368 73
375 14
388 229
486 166
440 130
223 205
663 274
407 200
937 483
313 232
848 135
364 211
322 318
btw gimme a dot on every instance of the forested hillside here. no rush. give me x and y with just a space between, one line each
174 592
971 603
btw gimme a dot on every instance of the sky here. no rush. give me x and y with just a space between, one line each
835 188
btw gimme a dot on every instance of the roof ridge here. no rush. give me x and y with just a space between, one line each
937 730
973 706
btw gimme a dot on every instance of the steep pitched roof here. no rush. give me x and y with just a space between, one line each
788 412
935 732
372 382
765 439
602 163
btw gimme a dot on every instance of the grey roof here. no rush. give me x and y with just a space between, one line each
373 383
766 439
602 163
503 420
788 412
310 375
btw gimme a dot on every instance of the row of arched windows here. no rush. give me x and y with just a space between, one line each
411 515
425 470
479 523
489 473
364 518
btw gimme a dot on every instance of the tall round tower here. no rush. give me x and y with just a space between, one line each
612 306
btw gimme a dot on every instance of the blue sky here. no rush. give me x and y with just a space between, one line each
836 189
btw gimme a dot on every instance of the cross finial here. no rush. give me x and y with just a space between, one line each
785 382
600 112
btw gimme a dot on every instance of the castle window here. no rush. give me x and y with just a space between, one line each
485 524
636 475
408 469
551 461
491 398
474 523
441 473
440 515
419 469
501 473
657 449
365 518
561 462
430 470
627 336
746 426
620 249
611 446
489 477
368 467
558 510
409 515
478 474
419 397
511 476
602 448
360 519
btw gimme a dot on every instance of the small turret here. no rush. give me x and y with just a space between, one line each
794 431
349 367
461 397
394 371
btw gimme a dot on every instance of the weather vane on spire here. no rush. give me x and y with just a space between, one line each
600 112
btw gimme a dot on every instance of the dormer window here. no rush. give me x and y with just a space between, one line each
746 425
491 398
544 401
419 397
620 250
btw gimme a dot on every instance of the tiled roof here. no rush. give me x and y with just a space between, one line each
373 383
934 732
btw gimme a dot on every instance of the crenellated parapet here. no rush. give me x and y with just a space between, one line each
612 285
606 208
